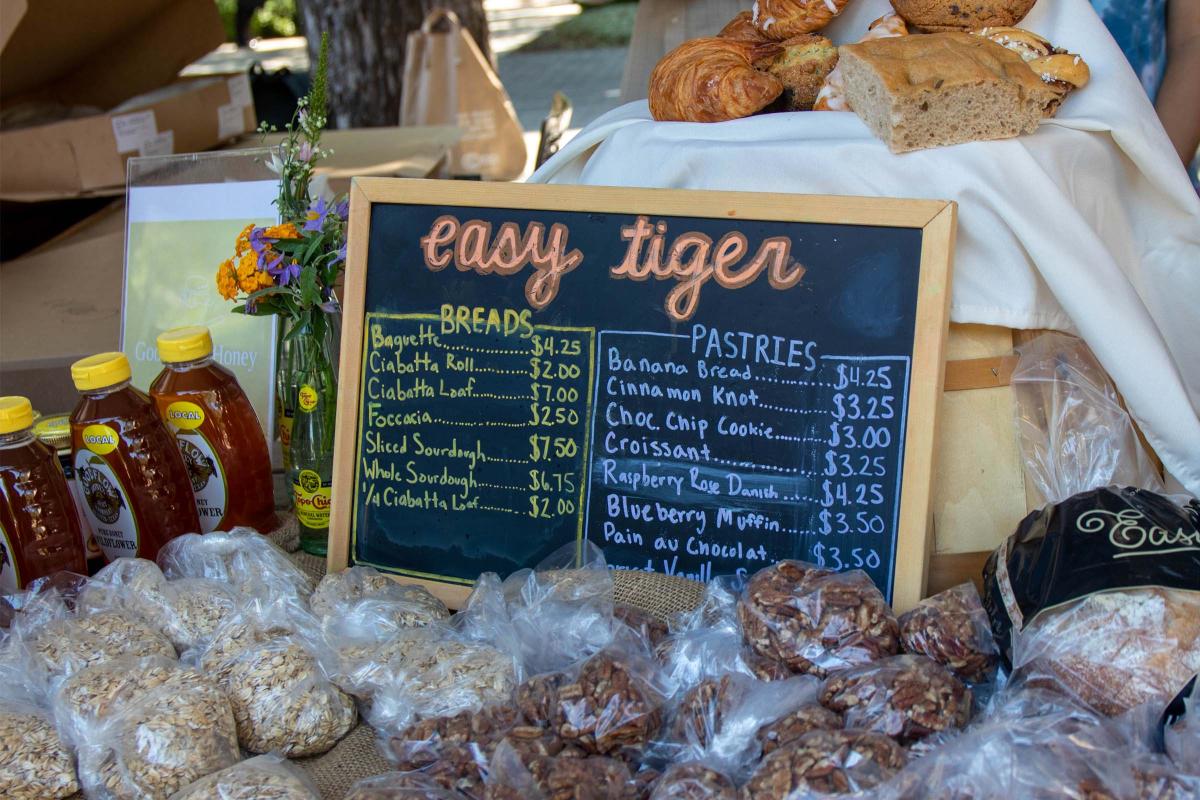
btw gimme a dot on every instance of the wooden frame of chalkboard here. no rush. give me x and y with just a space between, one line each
393 303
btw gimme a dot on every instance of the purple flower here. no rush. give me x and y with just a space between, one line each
341 254
286 273
259 242
304 152
317 213
343 209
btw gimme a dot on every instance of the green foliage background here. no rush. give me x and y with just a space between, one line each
272 18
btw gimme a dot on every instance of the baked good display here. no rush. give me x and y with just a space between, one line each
710 80
952 628
936 89
801 65
826 762
784 731
906 697
783 19
814 620
961 15
940 89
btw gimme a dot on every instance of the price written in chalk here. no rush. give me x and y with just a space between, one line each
856 558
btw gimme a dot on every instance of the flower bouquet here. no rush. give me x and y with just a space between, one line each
290 270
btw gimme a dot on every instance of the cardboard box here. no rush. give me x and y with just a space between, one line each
60 303
122 62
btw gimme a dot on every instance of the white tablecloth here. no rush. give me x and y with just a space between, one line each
1089 225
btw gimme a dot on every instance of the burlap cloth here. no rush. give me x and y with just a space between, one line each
356 756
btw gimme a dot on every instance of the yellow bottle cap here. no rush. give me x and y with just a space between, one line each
99 371
54 430
16 414
184 344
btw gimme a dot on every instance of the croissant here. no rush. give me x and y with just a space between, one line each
742 29
783 19
710 80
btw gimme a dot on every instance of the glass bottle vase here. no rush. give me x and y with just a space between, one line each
313 398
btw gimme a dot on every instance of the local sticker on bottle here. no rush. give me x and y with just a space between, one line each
100 439
312 499
308 398
184 415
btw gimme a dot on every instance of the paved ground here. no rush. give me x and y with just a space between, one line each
591 79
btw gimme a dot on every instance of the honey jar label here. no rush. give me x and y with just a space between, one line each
184 416
312 499
106 505
10 576
207 474
100 439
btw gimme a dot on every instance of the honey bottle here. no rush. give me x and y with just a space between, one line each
217 431
135 487
39 532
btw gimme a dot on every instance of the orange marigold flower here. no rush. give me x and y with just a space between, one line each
285 231
227 283
243 239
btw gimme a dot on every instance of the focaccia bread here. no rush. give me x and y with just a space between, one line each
940 89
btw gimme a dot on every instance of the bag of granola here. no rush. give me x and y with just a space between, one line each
36 762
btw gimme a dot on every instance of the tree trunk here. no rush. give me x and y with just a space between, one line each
366 51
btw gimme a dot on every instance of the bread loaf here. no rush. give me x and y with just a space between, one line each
941 89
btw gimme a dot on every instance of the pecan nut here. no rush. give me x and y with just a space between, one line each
952 628
816 621
907 697
788 729
826 762
693 781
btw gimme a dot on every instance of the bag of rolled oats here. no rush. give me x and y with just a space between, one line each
265 777
265 657
36 764
413 606
143 730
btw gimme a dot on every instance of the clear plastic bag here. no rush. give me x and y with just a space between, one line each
1035 745
512 775
438 674
265 777
906 697
1114 650
693 781
423 742
413 606
35 763
562 611
265 657
1182 739
814 620
1072 430
244 559
824 762
402 786
132 585
149 741
717 721
952 628
198 607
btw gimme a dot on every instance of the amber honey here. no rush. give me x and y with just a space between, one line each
39 531
135 488
218 434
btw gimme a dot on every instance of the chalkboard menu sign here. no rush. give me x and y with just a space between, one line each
700 383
